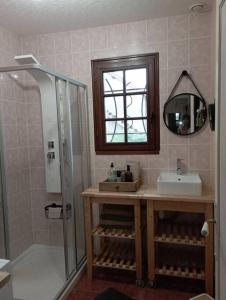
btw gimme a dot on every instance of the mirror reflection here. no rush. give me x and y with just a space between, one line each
185 114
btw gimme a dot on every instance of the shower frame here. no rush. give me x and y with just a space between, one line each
69 276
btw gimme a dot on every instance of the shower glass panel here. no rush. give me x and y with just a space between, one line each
79 152
53 247
72 110
64 115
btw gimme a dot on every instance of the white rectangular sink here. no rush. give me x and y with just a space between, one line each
170 183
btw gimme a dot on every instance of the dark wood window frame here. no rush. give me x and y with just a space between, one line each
99 66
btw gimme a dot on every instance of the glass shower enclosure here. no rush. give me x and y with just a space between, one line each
71 104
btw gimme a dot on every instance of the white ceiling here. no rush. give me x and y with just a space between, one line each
41 16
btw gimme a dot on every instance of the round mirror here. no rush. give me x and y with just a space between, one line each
185 114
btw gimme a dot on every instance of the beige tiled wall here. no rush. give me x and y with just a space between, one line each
14 127
184 42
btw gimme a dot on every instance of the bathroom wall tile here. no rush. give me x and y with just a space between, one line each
30 45
62 42
63 64
23 180
102 42
23 161
160 48
103 161
145 176
163 133
56 238
34 113
98 38
11 183
199 157
206 180
46 44
136 32
117 36
174 139
48 61
36 157
157 30
200 51
81 64
41 237
38 199
160 161
200 25
10 136
32 93
163 83
173 75
39 220
80 40
178 54
202 137
37 178
22 135
178 27
35 135
100 175
178 151
153 176
202 77
22 114
9 113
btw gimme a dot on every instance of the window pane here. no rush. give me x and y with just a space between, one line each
115 132
114 107
136 80
137 131
136 106
113 82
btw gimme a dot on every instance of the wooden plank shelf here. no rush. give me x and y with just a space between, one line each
116 256
181 272
113 233
180 240
4 278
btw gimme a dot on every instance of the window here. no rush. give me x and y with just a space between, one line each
126 104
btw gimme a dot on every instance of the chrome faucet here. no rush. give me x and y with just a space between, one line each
179 168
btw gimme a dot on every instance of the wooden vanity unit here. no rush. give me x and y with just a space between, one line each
112 255
182 236
175 246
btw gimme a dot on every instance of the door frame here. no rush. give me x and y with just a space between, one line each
220 164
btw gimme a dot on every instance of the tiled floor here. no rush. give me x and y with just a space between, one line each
88 291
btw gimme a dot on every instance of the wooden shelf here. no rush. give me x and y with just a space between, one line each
180 240
116 256
113 233
181 272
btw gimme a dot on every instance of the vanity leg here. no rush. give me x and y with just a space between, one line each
89 241
138 242
209 259
150 242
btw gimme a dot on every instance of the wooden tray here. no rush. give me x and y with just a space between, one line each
119 186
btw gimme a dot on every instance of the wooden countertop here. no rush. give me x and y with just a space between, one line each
148 193
4 278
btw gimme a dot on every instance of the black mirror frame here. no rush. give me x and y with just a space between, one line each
170 99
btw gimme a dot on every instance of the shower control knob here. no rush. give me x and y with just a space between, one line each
51 155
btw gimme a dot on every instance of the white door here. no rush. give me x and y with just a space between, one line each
221 164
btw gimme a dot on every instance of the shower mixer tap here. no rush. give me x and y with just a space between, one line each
51 155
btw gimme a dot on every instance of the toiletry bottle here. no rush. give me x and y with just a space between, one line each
128 175
111 173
